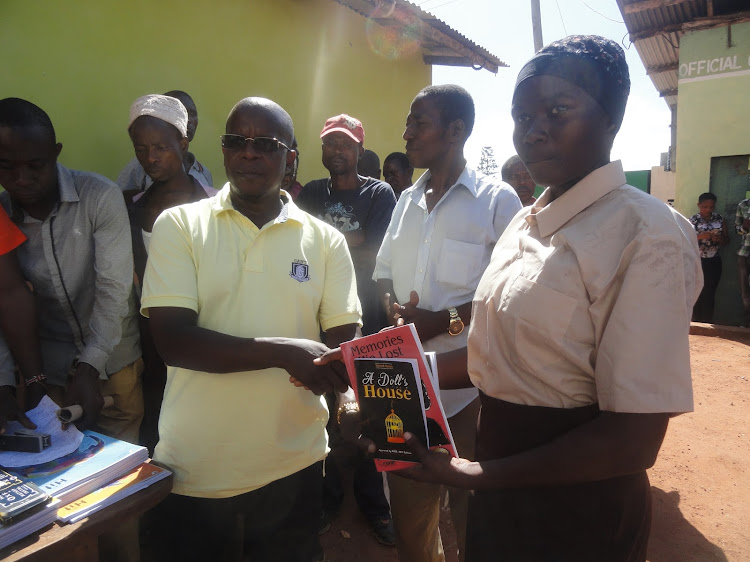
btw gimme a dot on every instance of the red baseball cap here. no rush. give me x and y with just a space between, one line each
345 124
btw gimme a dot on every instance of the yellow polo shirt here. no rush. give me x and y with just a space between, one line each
587 299
227 434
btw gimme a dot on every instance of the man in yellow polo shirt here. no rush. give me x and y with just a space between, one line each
238 287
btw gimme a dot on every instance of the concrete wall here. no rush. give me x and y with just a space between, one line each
663 184
84 62
713 111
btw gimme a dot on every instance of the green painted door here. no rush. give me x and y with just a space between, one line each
730 183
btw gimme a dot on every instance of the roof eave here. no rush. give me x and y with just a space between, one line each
441 45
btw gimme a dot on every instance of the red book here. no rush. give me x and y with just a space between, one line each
398 344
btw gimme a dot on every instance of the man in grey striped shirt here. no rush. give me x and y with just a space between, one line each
79 260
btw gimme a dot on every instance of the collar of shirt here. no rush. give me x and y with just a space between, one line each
210 191
551 216
68 194
222 202
700 220
194 164
467 179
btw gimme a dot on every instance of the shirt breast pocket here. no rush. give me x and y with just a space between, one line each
540 318
460 264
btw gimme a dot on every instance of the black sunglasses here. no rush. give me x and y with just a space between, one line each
260 144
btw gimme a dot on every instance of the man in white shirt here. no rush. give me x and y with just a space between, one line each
437 245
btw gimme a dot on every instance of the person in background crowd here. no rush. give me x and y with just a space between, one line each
369 165
742 227
398 172
238 288
81 269
357 206
360 208
438 242
17 326
712 234
79 260
158 130
133 179
517 176
290 183
579 341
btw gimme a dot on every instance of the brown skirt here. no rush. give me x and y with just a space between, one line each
600 521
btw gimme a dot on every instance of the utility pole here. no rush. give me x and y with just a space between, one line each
536 25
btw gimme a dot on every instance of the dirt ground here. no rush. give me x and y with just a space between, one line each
700 482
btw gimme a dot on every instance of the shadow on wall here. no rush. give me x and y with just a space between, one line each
673 538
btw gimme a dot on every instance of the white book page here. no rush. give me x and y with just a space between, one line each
61 442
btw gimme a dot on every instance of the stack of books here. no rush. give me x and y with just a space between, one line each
98 460
137 479
101 471
397 389
24 508
32 522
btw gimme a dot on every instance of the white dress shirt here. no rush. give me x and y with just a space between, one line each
441 254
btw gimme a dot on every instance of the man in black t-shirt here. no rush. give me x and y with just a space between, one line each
359 207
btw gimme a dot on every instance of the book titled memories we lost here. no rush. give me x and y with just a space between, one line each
396 358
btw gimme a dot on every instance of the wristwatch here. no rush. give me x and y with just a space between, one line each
456 325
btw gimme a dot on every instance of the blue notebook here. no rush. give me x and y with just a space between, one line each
98 460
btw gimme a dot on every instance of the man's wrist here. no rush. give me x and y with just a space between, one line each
346 408
37 379
455 323
432 323
275 352
85 371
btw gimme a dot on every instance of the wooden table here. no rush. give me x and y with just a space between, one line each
77 542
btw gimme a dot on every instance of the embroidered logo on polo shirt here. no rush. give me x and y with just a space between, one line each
300 271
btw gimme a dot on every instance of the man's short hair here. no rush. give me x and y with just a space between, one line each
400 158
184 97
454 103
370 159
18 113
280 115
510 163
706 197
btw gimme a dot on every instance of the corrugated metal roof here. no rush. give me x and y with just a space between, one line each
440 43
656 27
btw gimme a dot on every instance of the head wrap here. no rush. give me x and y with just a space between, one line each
593 63
165 108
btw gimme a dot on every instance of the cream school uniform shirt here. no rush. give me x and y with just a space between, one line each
588 299
227 434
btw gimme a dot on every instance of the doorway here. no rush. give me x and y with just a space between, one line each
730 182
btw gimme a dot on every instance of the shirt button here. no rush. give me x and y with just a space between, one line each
421 270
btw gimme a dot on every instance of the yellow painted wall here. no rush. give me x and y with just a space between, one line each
713 112
84 62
